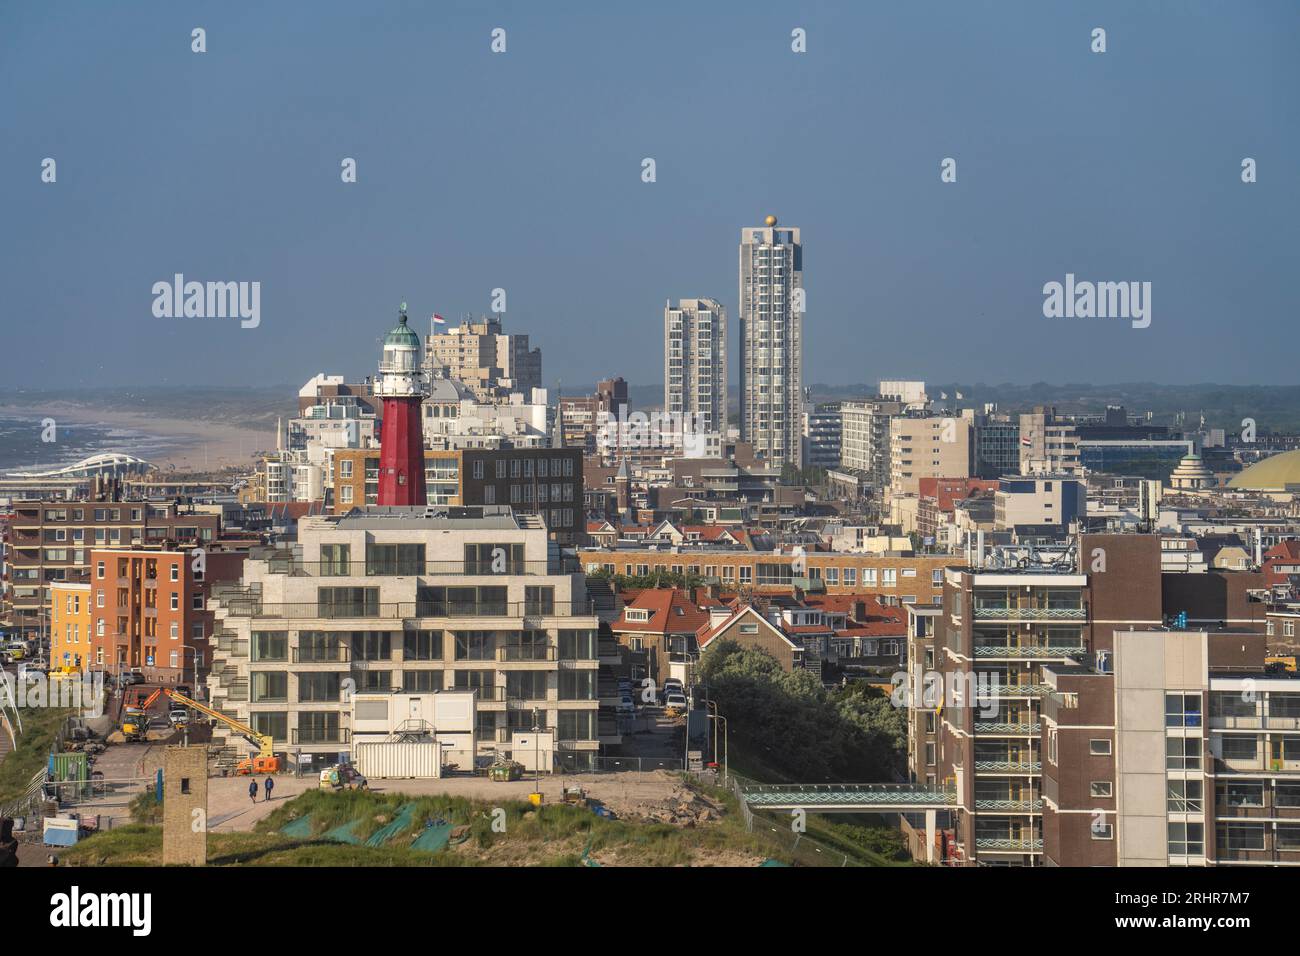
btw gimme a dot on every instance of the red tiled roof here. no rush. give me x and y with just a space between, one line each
671 612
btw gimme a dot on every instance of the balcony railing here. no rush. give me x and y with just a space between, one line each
358 567
525 652
403 610
1010 806
996 612
1006 730
1001 845
326 735
1036 651
333 654
1007 766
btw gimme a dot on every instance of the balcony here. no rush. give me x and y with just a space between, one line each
322 735
1034 651
1010 806
997 612
1007 767
358 568
405 610
997 729
1001 845
333 654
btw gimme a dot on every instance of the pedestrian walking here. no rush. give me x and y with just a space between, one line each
252 790
269 785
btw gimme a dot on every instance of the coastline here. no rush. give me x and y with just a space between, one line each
199 445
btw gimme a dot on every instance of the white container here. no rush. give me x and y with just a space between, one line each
378 761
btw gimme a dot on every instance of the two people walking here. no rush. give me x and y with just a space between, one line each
252 789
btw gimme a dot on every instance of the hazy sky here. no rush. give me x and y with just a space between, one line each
522 170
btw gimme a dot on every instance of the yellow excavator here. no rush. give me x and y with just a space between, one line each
265 761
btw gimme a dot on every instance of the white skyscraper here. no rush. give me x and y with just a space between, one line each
695 362
771 341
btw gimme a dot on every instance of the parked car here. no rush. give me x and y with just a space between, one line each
675 701
178 716
132 677
625 705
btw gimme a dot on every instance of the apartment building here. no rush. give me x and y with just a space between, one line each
412 600
1048 443
1180 750
771 340
150 609
71 625
997 444
581 415
864 437
544 481
695 362
999 628
489 362
928 446
898 579
51 541
822 429
1040 501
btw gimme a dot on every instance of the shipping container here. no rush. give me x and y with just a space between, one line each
378 761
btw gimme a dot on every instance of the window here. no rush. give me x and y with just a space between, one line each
494 558
577 645
316 688
372 645
1099 747
422 681
1186 839
749 629
1185 796
1241 836
347 602
1182 710
345 468
1236 747
539 600
422 646
1102 831
176 602
1101 789
394 559
335 559
270 685
345 494
274 724
1183 753
1243 794
270 646
475 646
176 572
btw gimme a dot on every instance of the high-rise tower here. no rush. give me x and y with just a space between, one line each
771 341
402 386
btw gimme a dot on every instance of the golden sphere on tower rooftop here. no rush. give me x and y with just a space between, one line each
770 221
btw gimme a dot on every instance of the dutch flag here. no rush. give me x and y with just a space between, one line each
438 320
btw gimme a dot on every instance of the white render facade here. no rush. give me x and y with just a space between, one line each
408 600
771 342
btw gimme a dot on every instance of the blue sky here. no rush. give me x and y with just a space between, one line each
522 170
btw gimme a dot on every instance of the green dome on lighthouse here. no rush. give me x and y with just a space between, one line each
402 336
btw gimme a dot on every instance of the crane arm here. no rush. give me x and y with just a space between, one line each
264 741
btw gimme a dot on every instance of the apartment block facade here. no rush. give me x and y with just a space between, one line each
489 362
150 610
51 541
411 600
864 437
928 447
547 482
771 341
695 362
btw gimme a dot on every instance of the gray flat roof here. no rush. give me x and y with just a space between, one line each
387 517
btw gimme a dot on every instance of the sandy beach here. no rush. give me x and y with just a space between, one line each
196 445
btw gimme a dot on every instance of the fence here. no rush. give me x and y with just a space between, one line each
569 762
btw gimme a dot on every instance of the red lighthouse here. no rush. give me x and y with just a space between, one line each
401 450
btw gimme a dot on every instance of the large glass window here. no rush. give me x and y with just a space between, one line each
577 645
318 727
1237 747
1186 796
347 602
317 646
270 646
475 645
421 682
335 559
270 686
577 685
577 725
372 645
422 646
494 559
319 688
1183 753
526 685
387 559
539 600
273 723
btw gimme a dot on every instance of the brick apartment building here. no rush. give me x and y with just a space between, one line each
51 541
547 482
150 610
